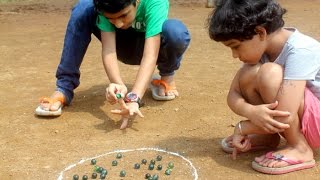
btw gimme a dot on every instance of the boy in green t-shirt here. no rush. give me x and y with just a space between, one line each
136 32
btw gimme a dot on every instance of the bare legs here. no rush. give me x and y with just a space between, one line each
260 84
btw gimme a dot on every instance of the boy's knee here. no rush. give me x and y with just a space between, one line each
176 33
83 8
83 17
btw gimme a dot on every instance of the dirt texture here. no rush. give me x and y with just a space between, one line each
31 40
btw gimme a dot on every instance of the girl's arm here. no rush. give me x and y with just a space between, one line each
290 97
240 139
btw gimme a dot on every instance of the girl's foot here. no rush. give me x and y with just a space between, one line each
296 154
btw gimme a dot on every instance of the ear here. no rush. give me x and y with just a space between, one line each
262 32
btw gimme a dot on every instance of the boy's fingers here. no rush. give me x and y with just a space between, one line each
122 104
124 123
116 111
140 114
120 112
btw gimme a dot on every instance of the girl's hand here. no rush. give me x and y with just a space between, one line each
263 117
112 90
240 142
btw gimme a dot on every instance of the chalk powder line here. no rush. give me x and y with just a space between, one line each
194 170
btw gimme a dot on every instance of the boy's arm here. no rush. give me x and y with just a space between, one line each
109 57
148 64
260 115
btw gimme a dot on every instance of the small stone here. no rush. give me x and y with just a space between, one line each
151 167
147 176
153 162
159 158
100 169
75 177
159 167
119 155
114 163
93 161
123 173
94 175
103 176
104 171
144 161
155 177
84 177
168 172
118 96
137 166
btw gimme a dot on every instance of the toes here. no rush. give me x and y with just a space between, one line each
175 92
55 106
45 106
259 159
161 91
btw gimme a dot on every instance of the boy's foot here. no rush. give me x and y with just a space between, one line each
283 161
258 142
51 106
163 88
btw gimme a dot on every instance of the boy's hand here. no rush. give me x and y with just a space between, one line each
127 111
112 90
263 117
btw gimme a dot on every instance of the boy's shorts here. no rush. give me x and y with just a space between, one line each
311 119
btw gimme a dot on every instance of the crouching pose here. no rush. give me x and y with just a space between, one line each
277 89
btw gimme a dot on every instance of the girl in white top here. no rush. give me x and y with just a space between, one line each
278 87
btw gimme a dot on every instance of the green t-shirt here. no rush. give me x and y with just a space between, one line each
150 17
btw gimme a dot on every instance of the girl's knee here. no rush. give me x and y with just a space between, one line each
249 72
270 74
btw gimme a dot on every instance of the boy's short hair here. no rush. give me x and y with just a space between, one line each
237 19
112 6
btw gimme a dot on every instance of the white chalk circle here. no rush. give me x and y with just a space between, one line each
193 169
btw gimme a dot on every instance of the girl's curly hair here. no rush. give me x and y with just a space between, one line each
237 19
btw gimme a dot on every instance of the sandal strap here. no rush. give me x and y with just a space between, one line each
280 157
157 82
52 100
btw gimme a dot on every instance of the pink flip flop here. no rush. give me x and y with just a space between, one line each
293 165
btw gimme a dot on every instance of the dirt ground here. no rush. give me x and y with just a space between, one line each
31 39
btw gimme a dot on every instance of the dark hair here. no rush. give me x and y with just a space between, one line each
237 19
112 6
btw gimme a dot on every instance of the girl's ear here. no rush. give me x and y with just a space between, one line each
261 31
